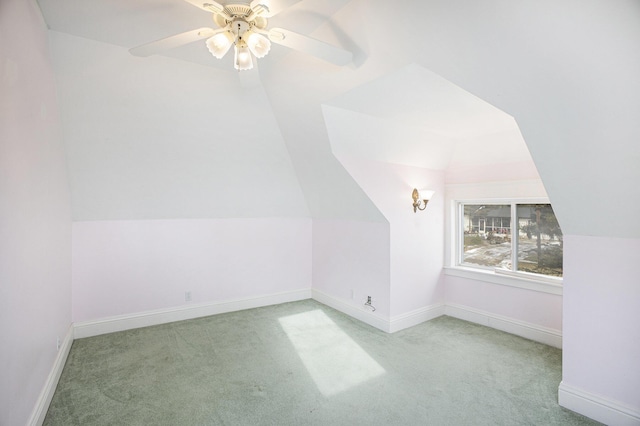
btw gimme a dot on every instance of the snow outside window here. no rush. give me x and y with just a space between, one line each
510 237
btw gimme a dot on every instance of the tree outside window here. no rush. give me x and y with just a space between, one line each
538 225
531 243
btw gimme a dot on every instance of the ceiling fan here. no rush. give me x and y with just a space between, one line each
245 27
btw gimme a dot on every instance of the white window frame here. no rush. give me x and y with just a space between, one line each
515 278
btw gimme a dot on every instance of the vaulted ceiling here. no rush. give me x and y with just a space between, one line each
437 84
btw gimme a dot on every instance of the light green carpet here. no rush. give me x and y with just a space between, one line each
303 363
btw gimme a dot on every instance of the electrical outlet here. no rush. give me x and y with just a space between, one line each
58 343
353 294
187 296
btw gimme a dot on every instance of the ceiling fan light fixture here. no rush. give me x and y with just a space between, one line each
258 44
245 25
243 60
220 43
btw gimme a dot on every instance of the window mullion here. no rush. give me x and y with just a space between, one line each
460 232
515 224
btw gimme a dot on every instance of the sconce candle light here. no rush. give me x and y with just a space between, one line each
420 201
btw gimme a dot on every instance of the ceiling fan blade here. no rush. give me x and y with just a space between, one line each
309 45
208 5
274 6
172 42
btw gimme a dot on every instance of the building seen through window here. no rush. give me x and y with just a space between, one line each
512 237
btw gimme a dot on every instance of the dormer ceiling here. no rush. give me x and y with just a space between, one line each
432 122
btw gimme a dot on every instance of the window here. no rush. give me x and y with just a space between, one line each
520 238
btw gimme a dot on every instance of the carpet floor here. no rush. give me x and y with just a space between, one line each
304 363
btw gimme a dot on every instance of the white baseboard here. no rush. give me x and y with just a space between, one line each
595 407
400 322
360 313
530 331
418 316
46 395
163 316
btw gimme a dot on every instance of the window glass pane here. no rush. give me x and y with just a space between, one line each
539 240
487 235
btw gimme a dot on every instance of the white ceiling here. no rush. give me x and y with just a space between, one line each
415 117
565 71
416 96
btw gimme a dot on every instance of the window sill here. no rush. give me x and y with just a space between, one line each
507 278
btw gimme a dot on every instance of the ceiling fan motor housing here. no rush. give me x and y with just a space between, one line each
239 26
239 12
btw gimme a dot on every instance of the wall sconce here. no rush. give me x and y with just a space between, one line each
418 202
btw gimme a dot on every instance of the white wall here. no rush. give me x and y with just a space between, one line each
126 267
601 323
389 155
416 239
35 216
351 262
527 312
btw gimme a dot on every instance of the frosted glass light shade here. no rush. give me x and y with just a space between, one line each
243 59
220 43
426 194
258 44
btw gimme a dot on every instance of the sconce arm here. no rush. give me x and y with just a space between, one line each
418 204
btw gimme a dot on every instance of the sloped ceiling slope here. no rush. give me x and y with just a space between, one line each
565 71
157 138
415 117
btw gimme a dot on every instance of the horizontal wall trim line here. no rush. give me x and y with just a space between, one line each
601 409
163 316
524 329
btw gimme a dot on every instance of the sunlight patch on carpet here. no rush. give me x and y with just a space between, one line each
335 362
